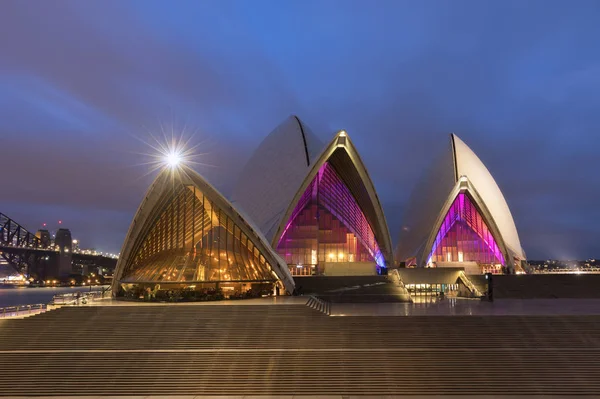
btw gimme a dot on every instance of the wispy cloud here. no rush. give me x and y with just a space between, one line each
79 81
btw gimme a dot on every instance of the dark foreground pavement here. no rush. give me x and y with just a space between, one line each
294 351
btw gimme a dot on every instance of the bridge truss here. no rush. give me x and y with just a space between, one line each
29 256
17 245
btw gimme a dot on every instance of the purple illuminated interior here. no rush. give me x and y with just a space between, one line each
464 236
328 225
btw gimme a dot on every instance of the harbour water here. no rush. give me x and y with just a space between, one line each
30 296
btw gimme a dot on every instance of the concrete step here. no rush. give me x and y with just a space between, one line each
295 349
132 329
317 373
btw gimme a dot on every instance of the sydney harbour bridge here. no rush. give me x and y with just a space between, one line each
35 256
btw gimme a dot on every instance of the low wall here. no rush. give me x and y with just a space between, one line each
468 267
322 284
479 281
434 275
349 268
547 286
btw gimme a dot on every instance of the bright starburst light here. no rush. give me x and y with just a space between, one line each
172 150
173 159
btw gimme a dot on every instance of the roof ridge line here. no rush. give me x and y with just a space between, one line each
303 140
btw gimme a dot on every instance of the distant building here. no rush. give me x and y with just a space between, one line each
44 237
64 243
63 240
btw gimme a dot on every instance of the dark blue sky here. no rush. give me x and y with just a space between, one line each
519 81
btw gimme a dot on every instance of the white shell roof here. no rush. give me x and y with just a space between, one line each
270 179
433 190
281 168
161 189
468 164
427 198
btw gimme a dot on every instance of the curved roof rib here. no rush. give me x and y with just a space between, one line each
180 217
342 156
271 177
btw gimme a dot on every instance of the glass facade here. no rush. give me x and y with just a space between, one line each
464 236
192 241
327 225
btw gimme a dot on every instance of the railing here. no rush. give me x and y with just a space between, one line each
58 299
396 279
78 298
22 310
319 304
465 280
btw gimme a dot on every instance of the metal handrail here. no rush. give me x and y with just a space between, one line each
395 276
10 311
58 299
397 279
319 304
463 277
71 298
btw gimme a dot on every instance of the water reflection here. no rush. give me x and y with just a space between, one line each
27 296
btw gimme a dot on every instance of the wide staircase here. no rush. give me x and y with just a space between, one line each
294 350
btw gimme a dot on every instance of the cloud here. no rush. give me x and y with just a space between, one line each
81 81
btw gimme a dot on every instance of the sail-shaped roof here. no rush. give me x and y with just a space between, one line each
456 171
274 172
185 231
341 162
468 164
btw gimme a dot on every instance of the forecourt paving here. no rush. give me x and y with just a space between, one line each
282 348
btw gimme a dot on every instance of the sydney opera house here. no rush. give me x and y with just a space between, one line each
306 208
457 216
